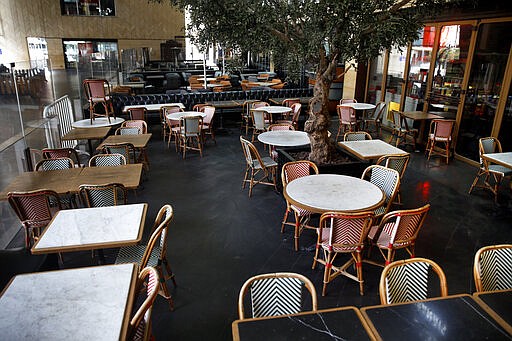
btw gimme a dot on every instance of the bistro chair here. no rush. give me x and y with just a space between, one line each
139 113
35 209
397 230
255 165
125 149
55 164
492 268
347 118
498 172
347 100
190 132
291 171
103 195
140 322
52 153
97 92
246 115
207 127
107 160
288 102
397 162
280 126
440 133
276 294
356 136
375 119
154 253
259 123
411 280
294 121
341 233
388 180
166 127
401 129
141 124
128 131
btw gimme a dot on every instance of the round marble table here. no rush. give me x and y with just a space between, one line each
284 138
331 192
178 115
360 106
97 122
276 109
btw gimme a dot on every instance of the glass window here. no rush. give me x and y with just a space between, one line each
421 53
375 79
395 74
505 136
88 7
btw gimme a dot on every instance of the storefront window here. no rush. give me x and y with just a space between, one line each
449 69
505 136
395 74
88 7
421 53
375 79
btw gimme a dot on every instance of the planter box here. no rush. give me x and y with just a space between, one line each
352 166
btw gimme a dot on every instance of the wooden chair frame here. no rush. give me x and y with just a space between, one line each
256 164
376 118
357 136
115 156
383 284
284 275
401 129
118 191
351 121
57 160
139 113
51 153
390 188
97 91
398 162
441 132
491 279
144 312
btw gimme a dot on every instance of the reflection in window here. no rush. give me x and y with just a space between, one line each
88 7
375 79
395 75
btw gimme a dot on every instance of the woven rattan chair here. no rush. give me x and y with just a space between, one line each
140 323
347 119
139 113
397 230
388 180
397 162
128 131
492 268
347 100
103 195
375 119
401 129
291 171
259 122
190 134
97 92
276 294
35 209
141 124
341 233
55 164
154 253
356 136
246 115
207 127
498 172
255 165
441 132
107 160
125 149
408 280
288 102
167 124
52 153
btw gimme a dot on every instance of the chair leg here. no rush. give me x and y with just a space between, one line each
297 231
285 219
359 270
327 271
315 258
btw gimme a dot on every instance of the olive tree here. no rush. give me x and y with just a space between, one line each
321 33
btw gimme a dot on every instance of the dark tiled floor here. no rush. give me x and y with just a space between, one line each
220 237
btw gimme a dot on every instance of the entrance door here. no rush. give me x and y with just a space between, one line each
484 87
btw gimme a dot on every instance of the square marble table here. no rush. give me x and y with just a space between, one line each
504 159
93 228
370 149
91 303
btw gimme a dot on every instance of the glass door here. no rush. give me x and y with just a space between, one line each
449 70
376 70
484 87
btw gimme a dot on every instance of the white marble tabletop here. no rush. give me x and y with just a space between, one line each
178 115
87 304
331 192
275 109
370 149
360 106
97 122
153 107
93 228
504 159
284 138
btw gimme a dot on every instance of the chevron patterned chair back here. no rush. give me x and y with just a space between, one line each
35 209
276 294
256 164
103 195
55 164
107 160
342 233
154 253
291 171
140 323
492 268
356 136
397 162
408 280
397 230
388 180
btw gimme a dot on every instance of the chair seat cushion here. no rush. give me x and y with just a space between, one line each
439 138
134 254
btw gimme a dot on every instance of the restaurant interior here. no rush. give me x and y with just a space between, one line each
211 223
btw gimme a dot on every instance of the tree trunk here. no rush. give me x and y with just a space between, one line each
322 147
